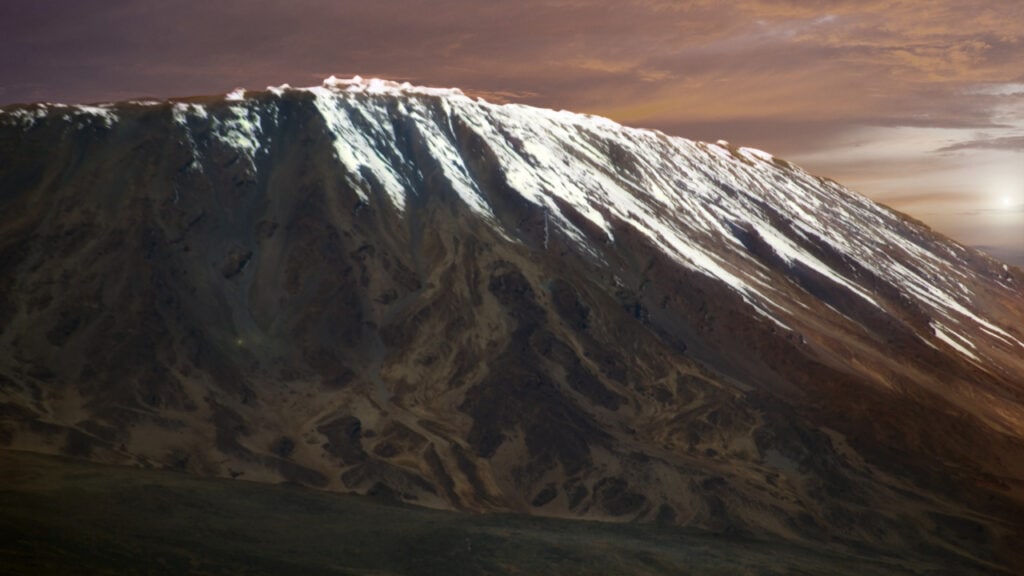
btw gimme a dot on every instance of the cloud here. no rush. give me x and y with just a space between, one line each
933 199
1011 256
1006 210
1011 143
500 96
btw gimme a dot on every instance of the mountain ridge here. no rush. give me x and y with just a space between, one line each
375 287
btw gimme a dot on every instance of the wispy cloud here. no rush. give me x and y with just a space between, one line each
1012 143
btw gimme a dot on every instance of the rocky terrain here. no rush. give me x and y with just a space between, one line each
404 292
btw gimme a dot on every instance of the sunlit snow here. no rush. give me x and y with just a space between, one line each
687 198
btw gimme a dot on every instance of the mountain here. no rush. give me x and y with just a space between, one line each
409 293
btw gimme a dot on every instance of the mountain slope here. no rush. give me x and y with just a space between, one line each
63 516
404 291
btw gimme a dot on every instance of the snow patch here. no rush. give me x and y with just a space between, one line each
954 340
358 84
182 111
588 174
279 90
754 153
240 128
356 151
25 117
105 115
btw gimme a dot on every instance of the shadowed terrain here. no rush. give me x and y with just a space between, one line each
416 296
62 516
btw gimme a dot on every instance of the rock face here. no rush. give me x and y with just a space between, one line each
406 292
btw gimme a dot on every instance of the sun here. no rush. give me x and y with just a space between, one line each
1004 189
1010 202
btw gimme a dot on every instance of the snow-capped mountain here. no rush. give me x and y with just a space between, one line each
406 291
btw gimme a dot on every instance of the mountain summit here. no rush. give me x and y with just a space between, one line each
407 292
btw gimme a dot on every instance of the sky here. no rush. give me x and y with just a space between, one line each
916 104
